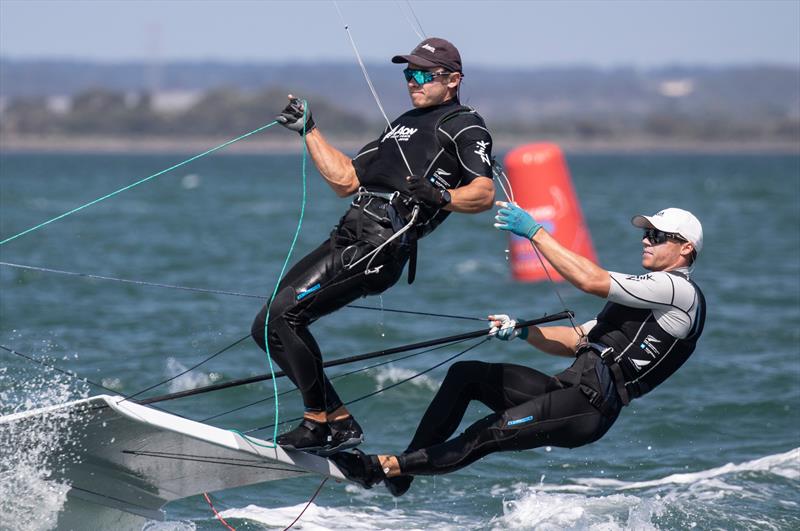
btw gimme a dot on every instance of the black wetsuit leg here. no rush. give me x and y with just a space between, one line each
531 409
320 283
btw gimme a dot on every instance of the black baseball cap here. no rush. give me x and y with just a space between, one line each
432 52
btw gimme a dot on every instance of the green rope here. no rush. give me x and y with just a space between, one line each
275 291
137 183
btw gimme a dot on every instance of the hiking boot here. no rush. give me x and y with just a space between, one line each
398 485
359 467
344 434
309 436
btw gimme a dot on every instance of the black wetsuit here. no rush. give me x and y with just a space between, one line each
629 353
448 144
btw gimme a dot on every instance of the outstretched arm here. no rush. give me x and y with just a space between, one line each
578 270
335 167
555 340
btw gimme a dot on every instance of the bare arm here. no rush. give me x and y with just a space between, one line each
578 270
336 167
475 197
556 340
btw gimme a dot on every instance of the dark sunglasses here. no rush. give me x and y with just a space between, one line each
421 77
657 237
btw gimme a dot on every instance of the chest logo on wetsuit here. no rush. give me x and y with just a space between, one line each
400 132
481 151
649 346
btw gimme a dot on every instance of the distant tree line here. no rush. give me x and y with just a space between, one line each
218 112
226 112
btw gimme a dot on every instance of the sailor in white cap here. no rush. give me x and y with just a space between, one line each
645 332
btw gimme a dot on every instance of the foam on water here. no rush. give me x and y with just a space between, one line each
786 465
357 516
390 374
29 496
190 380
687 500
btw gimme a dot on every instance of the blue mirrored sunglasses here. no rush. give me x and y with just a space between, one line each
421 77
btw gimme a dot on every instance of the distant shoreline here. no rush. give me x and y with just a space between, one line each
290 144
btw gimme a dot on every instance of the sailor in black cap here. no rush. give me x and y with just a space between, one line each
431 161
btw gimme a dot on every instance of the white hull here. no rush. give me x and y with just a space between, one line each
133 458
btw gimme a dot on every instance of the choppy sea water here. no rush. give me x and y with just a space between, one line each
717 446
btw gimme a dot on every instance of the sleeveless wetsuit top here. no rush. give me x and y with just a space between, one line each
652 322
448 144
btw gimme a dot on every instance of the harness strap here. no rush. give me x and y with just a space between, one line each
619 381
606 354
596 399
412 261
407 213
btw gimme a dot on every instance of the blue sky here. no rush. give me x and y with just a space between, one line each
507 33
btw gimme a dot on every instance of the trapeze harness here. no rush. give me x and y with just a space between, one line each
630 351
367 251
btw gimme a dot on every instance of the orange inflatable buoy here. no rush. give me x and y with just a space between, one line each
542 186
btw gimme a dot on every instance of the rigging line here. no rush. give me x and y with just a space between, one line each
283 270
209 460
510 197
500 173
62 371
216 514
71 374
308 504
382 389
216 291
360 357
405 15
578 330
336 377
193 367
137 183
371 86
207 359
411 8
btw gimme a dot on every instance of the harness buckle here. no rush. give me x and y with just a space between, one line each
605 352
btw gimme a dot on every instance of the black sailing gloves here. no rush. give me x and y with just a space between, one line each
427 194
291 117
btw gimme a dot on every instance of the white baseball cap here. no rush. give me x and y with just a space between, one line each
676 221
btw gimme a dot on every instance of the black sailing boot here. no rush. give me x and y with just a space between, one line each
359 467
309 436
398 485
345 433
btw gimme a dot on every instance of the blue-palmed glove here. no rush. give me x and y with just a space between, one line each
504 329
291 117
512 218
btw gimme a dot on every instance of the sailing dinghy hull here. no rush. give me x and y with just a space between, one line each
133 458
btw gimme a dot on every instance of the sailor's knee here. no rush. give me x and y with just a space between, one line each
464 371
257 328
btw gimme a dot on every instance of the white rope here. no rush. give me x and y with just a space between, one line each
375 251
371 87
410 23
510 197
